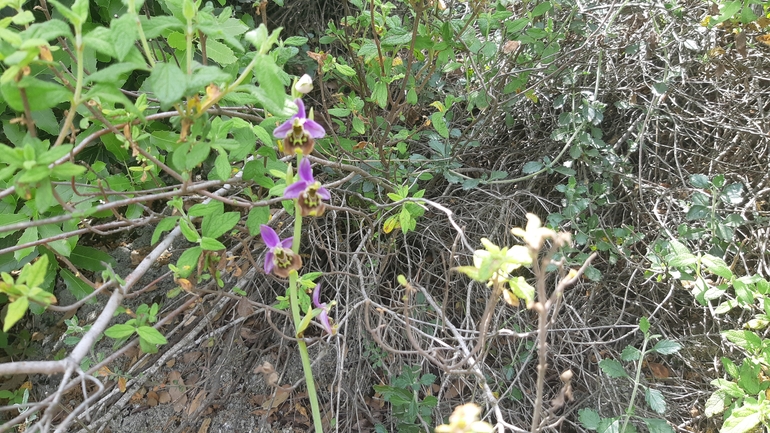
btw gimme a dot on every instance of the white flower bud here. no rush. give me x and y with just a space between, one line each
304 85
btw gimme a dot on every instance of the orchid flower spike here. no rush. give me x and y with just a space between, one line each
280 260
299 132
308 192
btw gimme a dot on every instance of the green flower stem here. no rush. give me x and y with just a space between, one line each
132 10
295 314
630 410
79 76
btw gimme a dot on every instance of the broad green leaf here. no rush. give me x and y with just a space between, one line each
114 73
541 9
220 53
630 353
716 266
732 194
257 216
655 400
164 225
745 339
40 94
91 259
153 27
168 82
211 244
589 418
119 331
222 166
16 310
296 41
29 235
439 124
522 290
380 94
699 181
189 231
33 275
123 34
742 420
269 76
47 30
213 207
345 70
655 425
215 226
729 388
666 347
644 324
532 167
151 335
188 261
77 287
612 368
69 14
716 403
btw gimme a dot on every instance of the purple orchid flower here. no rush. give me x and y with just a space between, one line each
308 192
299 132
323 316
280 259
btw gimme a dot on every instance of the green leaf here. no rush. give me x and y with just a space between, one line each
644 324
211 244
222 166
296 41
745 339
114 73
345 70
16 310
33 275
119 331
189 231
29 235
532 167
630 353
358 125
699 181
188 261
168 82
219 52
151 335
717 403
717 266
541 9
164 225
91 259
68 13
655 400
214 207
655 425
732 194
589 418
257 216
47 30
612 368
123 34
77 287
741 420
40 94
269 76
215 226
666 347
439 124
380 94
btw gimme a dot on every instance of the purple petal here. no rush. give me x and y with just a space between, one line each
301 106
269 262
284 129
324 319
287 243
317 296
314 128
305 172
269 236
295 189
323 193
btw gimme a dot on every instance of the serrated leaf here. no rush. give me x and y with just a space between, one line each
168 82
666 347
532 167
716 403
119 331
345 70
612 368
742 420
655 425
589 418
745 339
219 52
699 181
151 335
655 400
630 353
717 266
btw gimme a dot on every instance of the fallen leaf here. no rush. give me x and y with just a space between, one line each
152 399
659 371
196 402
191 357
171 362
164 397
205 426
244 308
122 384
280 396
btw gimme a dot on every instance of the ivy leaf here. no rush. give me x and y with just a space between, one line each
168 82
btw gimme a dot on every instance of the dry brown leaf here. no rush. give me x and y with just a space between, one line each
659 371
244 308
765 39
152 399
196 402
280 396
191 357
740 44
267 370
205 426
171 362
164 397
248 334
511 46
122 384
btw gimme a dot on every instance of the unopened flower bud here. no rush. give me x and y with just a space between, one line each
304 85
